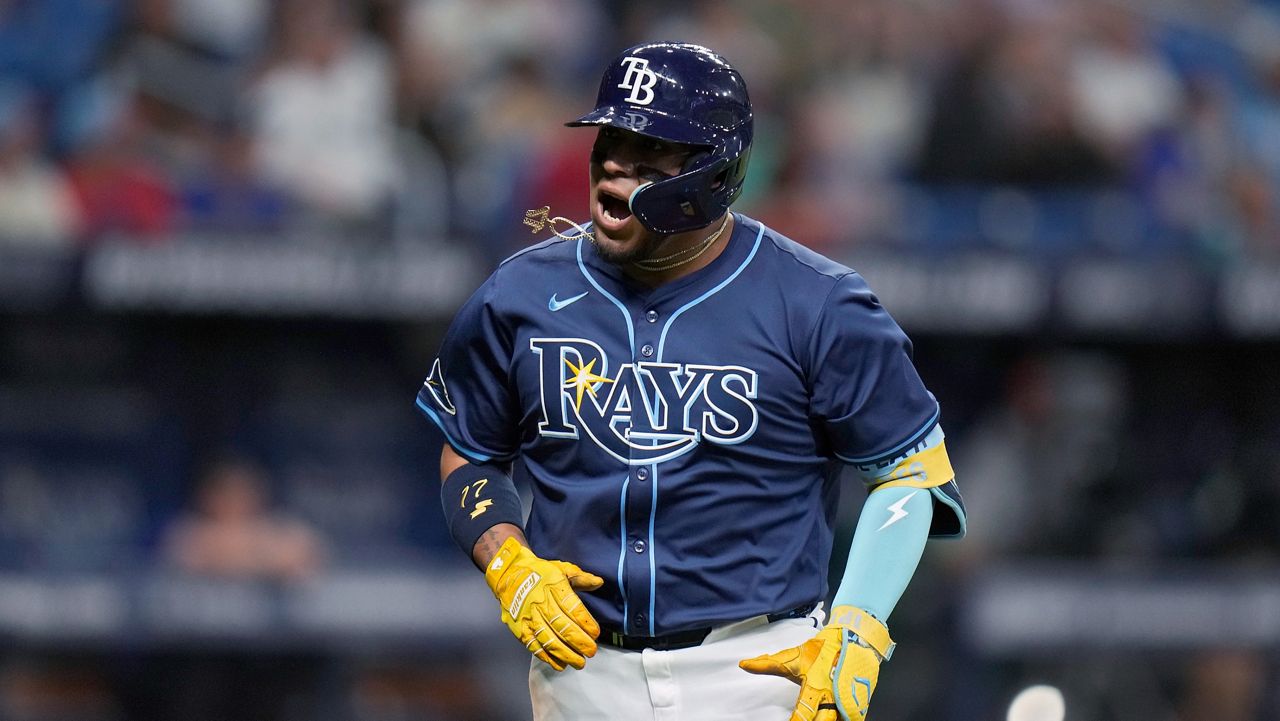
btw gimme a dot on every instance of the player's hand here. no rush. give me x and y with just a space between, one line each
540 607
837 669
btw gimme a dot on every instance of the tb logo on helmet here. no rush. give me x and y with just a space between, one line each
635 121
639 79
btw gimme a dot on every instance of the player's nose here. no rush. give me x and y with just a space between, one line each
618 163
621 158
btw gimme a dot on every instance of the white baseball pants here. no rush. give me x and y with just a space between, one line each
702 683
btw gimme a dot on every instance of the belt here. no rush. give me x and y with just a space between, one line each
683 639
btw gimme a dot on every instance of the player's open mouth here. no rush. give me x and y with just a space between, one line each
614 209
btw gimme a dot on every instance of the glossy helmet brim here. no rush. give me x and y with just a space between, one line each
649 122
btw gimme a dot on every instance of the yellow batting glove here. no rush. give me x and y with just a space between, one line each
837 669
540 607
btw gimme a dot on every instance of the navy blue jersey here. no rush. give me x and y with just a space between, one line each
683 442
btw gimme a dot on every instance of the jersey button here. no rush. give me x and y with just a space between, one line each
639 619
651 316
638 546
646 350
642 473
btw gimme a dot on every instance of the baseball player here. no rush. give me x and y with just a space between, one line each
683 387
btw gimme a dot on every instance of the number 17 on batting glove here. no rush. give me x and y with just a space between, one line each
540 606
837 669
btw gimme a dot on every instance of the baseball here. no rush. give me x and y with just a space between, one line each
1038 703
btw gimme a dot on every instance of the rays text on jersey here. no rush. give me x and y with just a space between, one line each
644 412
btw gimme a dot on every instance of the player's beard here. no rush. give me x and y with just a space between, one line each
643 248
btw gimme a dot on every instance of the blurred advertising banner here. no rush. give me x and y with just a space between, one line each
1048 607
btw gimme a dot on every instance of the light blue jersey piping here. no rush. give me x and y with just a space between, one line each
662 342
622 498
472 455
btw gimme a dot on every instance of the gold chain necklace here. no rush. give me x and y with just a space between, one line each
675 260
538 219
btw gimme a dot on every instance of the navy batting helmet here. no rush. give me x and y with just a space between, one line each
684 94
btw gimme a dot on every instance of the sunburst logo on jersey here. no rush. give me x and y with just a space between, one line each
583 379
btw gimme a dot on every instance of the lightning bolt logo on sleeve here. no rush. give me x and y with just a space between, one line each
898 510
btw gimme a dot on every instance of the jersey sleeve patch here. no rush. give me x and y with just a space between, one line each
435 390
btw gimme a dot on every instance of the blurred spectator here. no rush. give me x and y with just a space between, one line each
1122 89
120 190
1258 117
1255 128
322 113
232 532
1025 89
1003 111
32 691
1252 197
1224 685
190 59
520 156
37 206
860 125
226 195
736 32
961 135
68 514
562 36
494 115
801 202
1032 463
189 63
55 44
1179 172
229 29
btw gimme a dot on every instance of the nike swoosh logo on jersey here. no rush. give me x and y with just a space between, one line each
554 305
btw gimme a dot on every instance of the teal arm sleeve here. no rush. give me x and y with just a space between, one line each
886 549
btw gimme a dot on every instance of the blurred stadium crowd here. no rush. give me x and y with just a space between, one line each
278 453
156 117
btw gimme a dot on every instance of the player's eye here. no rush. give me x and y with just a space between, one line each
652 174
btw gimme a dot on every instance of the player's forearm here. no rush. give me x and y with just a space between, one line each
491 539
886 549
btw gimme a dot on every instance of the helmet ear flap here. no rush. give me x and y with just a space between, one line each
694 160
686 202
699 158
